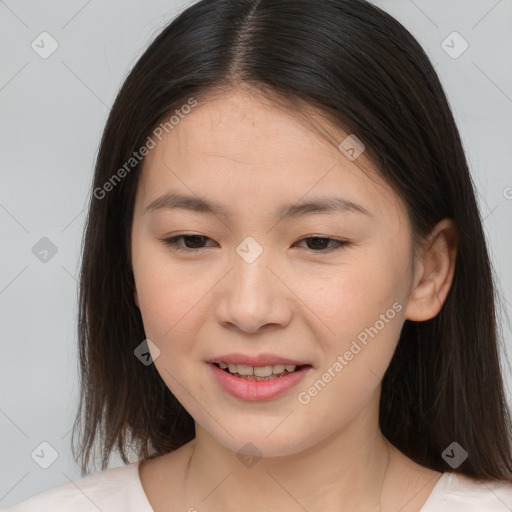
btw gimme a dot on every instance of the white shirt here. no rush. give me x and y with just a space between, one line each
120 489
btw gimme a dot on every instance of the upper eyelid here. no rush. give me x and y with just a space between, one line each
187 235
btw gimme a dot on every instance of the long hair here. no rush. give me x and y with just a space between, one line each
363 70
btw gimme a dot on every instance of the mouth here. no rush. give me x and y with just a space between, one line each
268 372
257 383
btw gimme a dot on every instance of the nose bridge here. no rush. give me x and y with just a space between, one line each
251 276
251 266
252 295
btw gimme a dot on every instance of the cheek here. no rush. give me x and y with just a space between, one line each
168 296
351 298
361 311
172 313
364 317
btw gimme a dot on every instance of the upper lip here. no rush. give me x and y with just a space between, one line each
258 360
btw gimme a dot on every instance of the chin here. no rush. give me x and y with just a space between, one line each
263 439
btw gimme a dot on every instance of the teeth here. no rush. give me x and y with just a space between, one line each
263 371
258 371
243 370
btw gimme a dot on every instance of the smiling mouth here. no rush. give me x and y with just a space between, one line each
269 372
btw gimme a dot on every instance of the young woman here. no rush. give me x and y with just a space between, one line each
286 297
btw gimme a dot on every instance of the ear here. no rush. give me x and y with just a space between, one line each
434 272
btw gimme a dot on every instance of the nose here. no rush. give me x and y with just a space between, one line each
254 296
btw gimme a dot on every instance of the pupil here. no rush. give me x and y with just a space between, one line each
195 237
321 241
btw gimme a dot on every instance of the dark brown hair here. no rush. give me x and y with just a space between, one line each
364 70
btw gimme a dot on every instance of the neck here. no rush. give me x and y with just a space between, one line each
344 471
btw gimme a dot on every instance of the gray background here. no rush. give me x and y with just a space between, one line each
52 114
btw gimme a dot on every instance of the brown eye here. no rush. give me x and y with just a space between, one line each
191 242
320 244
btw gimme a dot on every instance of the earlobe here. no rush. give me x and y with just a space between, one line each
434 273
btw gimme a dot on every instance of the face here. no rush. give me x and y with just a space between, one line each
324 288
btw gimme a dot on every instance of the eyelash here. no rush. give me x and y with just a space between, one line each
174 245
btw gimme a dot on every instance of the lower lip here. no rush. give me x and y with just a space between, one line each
257 390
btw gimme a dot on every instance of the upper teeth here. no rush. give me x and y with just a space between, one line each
258 371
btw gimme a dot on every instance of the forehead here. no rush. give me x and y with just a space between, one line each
239 148
247 126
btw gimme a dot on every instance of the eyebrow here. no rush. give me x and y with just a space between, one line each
173 200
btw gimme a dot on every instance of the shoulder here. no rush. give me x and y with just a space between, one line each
456 493
109 490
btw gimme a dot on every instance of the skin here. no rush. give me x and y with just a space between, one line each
294 300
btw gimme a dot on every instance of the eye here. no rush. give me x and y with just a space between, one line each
194 242
319 243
